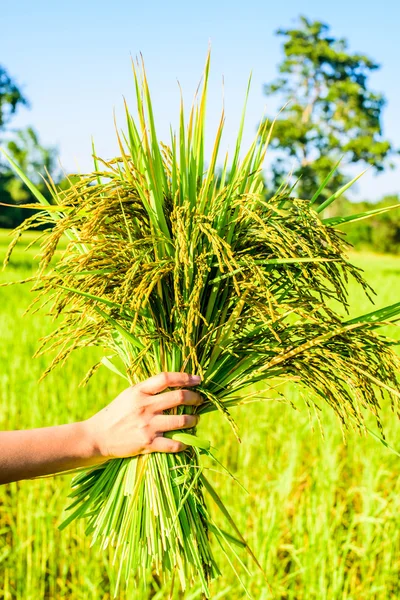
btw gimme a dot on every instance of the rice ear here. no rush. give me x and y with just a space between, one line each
170 267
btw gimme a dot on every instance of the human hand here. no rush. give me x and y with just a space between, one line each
134 422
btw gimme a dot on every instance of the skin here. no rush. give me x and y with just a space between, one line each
133 423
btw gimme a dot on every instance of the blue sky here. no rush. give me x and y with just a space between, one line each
72 60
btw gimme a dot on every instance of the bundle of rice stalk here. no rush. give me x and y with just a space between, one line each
173 265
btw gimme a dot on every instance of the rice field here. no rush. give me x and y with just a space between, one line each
322 516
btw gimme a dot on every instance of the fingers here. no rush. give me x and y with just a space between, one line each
163 444
162 381
171 422
176 398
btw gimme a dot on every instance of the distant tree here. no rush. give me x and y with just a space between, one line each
380 233
330 113
385 235
25 148
10 98
34 159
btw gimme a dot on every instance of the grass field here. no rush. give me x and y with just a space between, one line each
323 517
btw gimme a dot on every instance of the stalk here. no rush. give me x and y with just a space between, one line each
170 267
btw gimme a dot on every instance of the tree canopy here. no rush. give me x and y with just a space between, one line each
24 146
330 111
11 97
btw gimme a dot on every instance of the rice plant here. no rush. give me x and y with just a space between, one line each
172 265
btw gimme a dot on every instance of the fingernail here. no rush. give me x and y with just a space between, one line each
195 378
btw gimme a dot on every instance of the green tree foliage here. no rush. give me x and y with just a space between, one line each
31 156
25 148
380 233
11 98
330 113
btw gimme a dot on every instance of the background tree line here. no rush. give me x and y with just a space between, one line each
330 115
24 146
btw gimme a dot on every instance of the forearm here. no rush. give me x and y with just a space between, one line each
30 453
133 423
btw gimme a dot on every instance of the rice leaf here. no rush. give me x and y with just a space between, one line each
339 193
334 221
325 182
173 266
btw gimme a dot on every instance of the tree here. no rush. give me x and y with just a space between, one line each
27 151
331 113
378 233
386 230
25 148
10 97
33 158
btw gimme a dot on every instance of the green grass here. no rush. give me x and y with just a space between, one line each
323 517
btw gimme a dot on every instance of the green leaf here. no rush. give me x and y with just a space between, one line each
325 182
338 193
272 261
227 536
91 272
378 316
35 191
95 162
333 221
90 296
110 365
55 214
125 334
188 439
382 441
227 515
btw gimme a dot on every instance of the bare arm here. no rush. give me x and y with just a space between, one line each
131 424
26 454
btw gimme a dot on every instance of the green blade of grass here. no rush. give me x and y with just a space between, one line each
339 193
227 515
110 365
31 186
377 316
325 182
333 221
90 296
188 439
123 332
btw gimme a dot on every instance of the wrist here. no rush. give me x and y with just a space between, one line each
92 449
